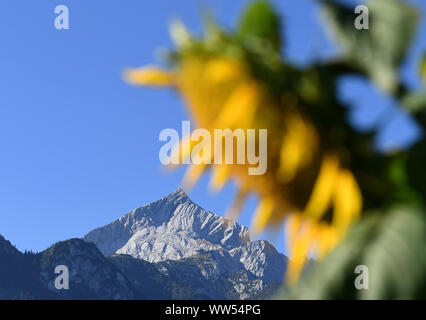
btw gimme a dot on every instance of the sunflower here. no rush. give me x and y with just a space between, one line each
230 82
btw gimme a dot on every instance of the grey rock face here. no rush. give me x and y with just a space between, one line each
261 259
217 250
169 249
171 228
91 275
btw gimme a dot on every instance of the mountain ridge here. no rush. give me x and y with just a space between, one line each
175 228
147 231
168 249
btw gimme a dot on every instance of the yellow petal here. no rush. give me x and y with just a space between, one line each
223 70
292 227
262 214
290 156
182 151
219 176
301 245
192 175
237 205
239 108
347 201
299 143
322 192
327 239
150 75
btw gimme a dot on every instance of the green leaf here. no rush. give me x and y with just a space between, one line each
416 167
414 102
260 22
423 68
391 245
180 35
379 50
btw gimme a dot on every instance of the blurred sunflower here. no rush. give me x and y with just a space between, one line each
238 80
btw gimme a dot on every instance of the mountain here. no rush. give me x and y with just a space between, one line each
174 232
18 276
95 276
169 249
171 228
32 276
92 275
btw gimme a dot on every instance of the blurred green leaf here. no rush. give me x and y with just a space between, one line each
260 22
180 35
379 50
414 102
391 245
423 68
416 167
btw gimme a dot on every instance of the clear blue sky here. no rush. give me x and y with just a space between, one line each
79 147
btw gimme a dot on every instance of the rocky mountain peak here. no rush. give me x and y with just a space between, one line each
174 232
173 228
169 249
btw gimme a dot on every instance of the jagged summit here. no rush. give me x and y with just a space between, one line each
6 247
169 249
177 194
173 227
